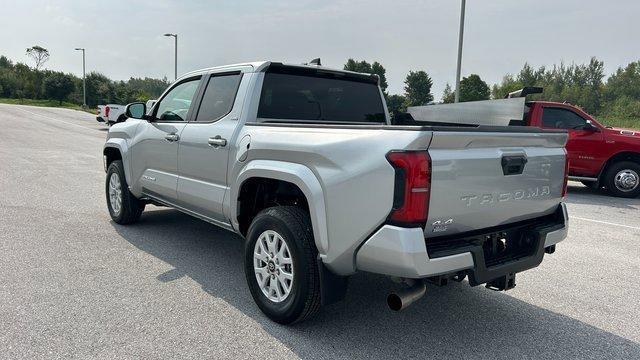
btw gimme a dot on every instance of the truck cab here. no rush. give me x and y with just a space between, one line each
599 156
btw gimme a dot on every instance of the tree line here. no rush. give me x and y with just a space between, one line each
20 81
584 85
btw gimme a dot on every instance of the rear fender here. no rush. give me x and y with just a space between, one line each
297 174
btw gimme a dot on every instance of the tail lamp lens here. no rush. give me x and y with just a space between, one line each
413 186
566 174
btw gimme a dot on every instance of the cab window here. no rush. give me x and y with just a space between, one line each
218 97
175 105
559 118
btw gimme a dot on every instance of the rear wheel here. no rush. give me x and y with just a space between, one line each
281 264
623 179
124 208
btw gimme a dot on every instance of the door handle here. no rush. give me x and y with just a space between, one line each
172 137
217 141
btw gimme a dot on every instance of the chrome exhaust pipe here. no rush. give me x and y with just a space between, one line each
401 299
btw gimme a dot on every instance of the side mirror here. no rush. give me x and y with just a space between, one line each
590 127
136 110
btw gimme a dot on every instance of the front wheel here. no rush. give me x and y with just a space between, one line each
623 179
124 208
281 264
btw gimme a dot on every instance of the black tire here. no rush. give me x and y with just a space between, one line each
610 179
294 226
131 207
593 185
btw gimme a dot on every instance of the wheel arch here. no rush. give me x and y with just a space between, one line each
116 149
620 156
299 177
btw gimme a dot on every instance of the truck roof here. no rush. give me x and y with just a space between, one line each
259 66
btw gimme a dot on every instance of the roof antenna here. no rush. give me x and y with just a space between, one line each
315 61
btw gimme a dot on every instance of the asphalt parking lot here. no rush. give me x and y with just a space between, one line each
75 285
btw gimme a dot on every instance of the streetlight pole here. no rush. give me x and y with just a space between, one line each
84 80
460 36
175 37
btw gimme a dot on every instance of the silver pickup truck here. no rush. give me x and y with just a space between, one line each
304 163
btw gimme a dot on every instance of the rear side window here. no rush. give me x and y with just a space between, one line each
218 97
562 119
319 99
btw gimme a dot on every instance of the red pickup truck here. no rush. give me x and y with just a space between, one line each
599 156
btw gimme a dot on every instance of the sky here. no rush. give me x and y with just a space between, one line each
124 39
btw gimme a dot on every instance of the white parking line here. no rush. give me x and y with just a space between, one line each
605 222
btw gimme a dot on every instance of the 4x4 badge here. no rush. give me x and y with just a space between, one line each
441 225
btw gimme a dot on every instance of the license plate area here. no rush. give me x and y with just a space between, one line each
499 251
507 246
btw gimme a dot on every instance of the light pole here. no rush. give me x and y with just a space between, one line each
460 36
175 37
84 80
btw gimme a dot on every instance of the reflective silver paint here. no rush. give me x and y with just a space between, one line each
342 171
402 252
468 184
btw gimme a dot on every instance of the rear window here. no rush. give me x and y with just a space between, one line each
218 97
318 98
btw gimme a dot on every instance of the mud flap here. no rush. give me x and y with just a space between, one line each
333 287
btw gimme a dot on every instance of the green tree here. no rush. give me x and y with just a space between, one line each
58 86
100 89
39 55
448 96
418 88
473 88
396 103
508 84
365 67
579 84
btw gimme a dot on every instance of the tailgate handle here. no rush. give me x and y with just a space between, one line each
513 165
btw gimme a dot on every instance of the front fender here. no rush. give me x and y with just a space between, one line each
297 174
121 145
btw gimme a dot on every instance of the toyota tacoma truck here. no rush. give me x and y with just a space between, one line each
303 162
599 156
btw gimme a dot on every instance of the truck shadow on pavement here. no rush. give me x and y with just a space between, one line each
454 321
578 194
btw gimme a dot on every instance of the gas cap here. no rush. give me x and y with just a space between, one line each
243 148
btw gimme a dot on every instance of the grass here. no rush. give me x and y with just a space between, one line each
46 103
620 122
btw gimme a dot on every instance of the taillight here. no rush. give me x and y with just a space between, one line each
412 186
106 111
566 174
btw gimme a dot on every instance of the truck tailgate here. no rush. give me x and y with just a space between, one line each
485 179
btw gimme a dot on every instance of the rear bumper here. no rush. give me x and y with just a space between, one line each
99 119
402 252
